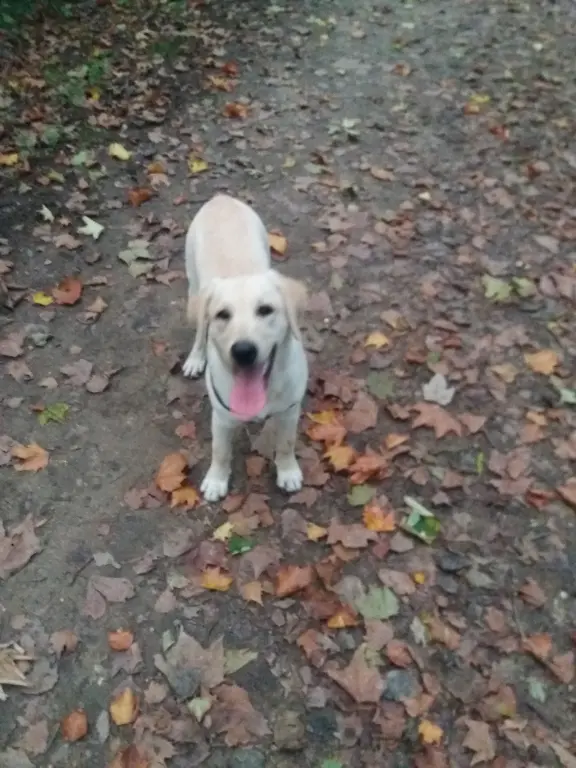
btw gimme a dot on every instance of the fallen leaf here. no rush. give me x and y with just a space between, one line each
436 418
442 633
496 289
293 578
252 592
124 707
340 456
354 536
68 291
188 665
9 159
532 593
139 195
359 679
277 242
363 415
171 474
429 732
196 164
185 497
379 603
544 361
216 580
237 659
115 590
438 391
91 228
567 759
479 740
379 519
120 639
74 726
377 340
233 714
35 740
10 672
32 457
42 299
63 641
131 757
11 346
315 532
235 109
399 654
539 645
18 547
119 152
344 617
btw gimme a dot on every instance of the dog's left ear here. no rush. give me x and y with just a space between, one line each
295 294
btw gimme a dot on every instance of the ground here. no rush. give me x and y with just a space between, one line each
419 159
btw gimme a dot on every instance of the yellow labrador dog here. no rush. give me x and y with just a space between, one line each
247 336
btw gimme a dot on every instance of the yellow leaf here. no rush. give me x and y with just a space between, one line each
340 456
196 164
544 361
343 618
215 579
277 242
252 592
479 98
377 339
185 497
32 457
119 152
419 577
377 519
124 707
223 532
94 93
10 159
323 417
393 440
315 532
289 162
430 733
42 299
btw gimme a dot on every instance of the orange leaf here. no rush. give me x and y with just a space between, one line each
378 519
68 291
539 645
124 707
156 167
292 578
340 456
216 580
544 361
32 457
236 110
277 242
186 497
230 68
129 757
139 195
393 440
329 434
120 639
75 726
220 83
343 618
367 466
315 532
430 733
171 472
252 592
324 417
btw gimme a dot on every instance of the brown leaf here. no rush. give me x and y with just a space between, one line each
402 583
399 654
363 415
130 757
236 110
68 291
75 726
252 592
544 361
539 645
139 195
379 516
186 430
63 641
340 456
185 498
120 639
114 589
35 740
233 714
435 417
532 593
568 492
362 681
32 457
187 655
567 759
94 605
277 243
171 474
354 536
293 578
17 548
124 707
11 346
479 740
368 466
562 666
442 633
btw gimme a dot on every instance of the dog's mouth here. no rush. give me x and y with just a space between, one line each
249 393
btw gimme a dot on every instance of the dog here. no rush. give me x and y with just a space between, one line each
247 336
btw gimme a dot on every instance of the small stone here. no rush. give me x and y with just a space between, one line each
400 684
289 731
478 579
322 725
247 758
184 682
447 583
452 562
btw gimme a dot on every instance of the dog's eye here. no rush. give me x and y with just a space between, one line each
224 314
264 310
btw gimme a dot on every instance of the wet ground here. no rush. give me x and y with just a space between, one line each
419 158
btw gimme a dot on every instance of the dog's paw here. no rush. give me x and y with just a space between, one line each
289 478
194 365
215 485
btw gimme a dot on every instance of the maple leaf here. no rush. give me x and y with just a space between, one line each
252 592
233 714
185 497
170 475
380 519
32 457
363 415
293 578
340 456
329 434
186 656
399 654
429 732
360 680
344 617
354 536
91 228
442 633
68 291
544 361
436 418
539 645
124 707
17 548
216 580
438 391
369 465
479 740
139 195
74 726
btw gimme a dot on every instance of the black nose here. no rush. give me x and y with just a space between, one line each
244 353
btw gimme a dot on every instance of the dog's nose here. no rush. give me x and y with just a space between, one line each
244 353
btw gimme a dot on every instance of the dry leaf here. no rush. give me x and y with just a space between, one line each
292 578
130 757
216 580
32 457
377 339
479 740
354 536
362 681
75 726
185 497
171 474
340 456
544 361
315 532
124 707
18 547
344 617
120 639
435 417
68 291
429 732
378 519
252 592
235 109
139 195
277 242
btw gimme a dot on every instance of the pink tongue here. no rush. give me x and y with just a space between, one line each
248 395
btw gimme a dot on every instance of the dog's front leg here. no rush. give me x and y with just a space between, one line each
288 472
215 484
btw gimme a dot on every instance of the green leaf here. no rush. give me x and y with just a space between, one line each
331 763
55 412
378 603
421 522
537 689
496 289
524 287
567 396
480 461
237 545
236 659
359 495
380 385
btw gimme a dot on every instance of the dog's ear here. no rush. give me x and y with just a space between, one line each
295 294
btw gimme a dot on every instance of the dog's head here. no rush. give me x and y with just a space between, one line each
247 318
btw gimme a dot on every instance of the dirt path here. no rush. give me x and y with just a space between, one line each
420 160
